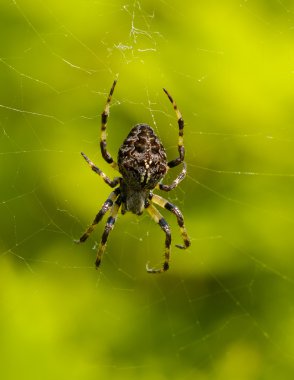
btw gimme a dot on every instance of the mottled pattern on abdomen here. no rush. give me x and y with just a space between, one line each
142 159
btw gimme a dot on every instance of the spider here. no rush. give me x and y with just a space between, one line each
142 163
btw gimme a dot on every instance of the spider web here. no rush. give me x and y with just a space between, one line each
225 308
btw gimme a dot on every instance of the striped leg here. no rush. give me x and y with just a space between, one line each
106 206
175 183
181 148
108 227
111 183
157 217
169 206
104 117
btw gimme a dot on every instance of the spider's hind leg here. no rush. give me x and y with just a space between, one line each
104 118
180 119
180 159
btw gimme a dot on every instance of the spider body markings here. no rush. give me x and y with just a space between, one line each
142 163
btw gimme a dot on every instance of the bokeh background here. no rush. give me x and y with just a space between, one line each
225 309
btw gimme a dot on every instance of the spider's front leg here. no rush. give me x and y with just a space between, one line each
107 229
106 206
158 218
160 201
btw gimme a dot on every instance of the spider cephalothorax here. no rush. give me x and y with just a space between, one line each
142 163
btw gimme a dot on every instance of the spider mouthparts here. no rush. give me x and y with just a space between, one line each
180 246
77 241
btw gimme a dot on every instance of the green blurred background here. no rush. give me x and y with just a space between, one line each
225 310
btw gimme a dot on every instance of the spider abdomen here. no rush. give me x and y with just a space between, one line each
142 159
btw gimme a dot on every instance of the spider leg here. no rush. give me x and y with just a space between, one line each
108 227
106 206
181 148
174 209
158 218
104 117
111 183
175 182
